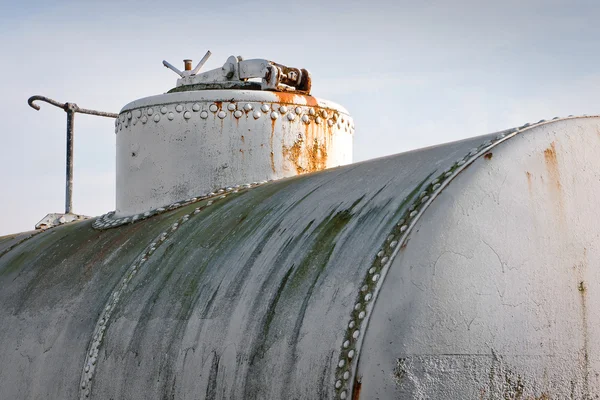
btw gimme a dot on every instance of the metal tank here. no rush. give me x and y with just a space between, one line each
468 270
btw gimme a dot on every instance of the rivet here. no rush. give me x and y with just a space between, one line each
339 126
156 117
318 120
83 385
436 186
170 116
187 115
203 115
231 106
448 174
274 115
351 354
355 334
87 368
144 119
179 108
150 111
343 395
134 121
324 113
222 114
330 122
213 108
372 270
361 315
338 384
283 109
393 244
291 116
129 115
385 259
257 114
138 113
380 254
305 119
346 374
368 296
341 363
248 107
501 136
412 214
364 288
122 117
357 306
375 277
346 344
264 108
87 392
298 110
351 325
196 107
238 114
424 199
163 110
311 111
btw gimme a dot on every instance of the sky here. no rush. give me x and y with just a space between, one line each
411 73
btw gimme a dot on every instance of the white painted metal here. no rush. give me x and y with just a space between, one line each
175 146
492 296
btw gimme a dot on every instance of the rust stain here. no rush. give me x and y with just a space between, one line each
243 139
296 99
529 182
309 152
272 150
552 165
356 388
488 156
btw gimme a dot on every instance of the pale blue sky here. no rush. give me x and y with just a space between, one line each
412 74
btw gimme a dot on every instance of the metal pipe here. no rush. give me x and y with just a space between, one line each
70 109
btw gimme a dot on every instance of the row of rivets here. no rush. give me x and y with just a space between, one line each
92 355
382 260
274 110
107 221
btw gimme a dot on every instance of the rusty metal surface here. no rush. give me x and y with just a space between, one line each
179 145
215 300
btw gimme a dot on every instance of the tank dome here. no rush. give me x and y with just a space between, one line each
220 128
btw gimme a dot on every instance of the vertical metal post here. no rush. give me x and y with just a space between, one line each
70 109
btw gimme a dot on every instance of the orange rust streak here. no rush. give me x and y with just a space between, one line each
272 149
291 98
309 153
552 165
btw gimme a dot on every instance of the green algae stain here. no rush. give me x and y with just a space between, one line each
15 264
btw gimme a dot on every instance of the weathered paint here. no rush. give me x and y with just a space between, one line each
250 298
491 299
177 145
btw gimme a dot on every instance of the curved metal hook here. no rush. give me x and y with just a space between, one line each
43 98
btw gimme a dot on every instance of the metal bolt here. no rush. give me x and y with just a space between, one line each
187 65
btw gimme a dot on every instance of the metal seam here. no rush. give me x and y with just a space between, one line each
91 357
377 271
107 222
